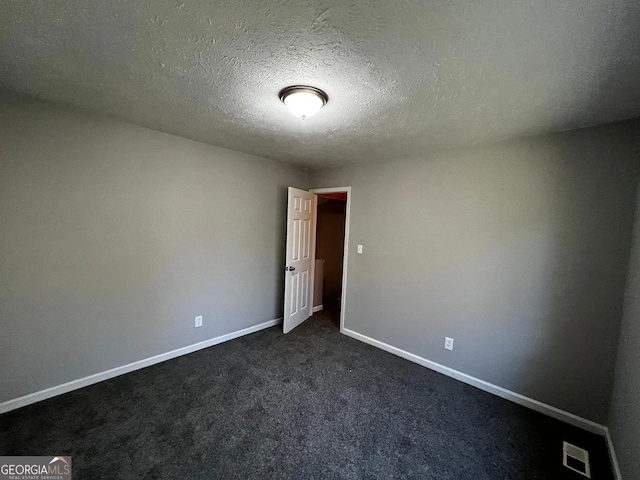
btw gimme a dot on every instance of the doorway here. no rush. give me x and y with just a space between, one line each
332 235
300 255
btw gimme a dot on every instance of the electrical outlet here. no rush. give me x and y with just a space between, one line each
448 343
359 248
199 321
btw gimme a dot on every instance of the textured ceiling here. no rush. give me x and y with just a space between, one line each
403 77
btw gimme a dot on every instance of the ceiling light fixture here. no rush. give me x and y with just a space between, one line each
303 101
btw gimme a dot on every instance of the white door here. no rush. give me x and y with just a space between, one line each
301 239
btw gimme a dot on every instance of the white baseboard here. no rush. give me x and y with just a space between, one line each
114 372
317 308
612 457
554 412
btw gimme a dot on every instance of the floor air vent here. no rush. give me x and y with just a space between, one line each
576 459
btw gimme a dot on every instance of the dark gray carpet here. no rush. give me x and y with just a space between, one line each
310 404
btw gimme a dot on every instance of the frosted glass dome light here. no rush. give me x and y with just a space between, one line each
303 101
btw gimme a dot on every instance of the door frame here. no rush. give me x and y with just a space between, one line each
345 249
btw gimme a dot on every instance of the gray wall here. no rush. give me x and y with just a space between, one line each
114 237
624 418
517 250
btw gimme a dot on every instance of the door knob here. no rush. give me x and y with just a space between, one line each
291 269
